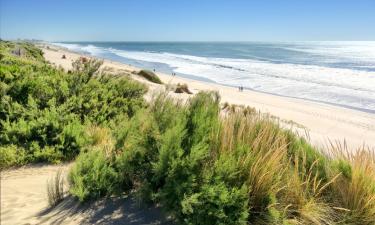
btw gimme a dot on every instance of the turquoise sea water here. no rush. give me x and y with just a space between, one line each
340 73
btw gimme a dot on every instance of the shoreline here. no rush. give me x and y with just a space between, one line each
128 61
324 122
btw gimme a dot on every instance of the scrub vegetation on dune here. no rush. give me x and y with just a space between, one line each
204 163
45 111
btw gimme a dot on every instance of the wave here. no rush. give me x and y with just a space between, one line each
90 49
362 51
347 87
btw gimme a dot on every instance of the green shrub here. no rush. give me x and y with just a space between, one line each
11 155
44 110
85 68
202 118
150 76
216 204
46 154
138 141
121 95
92 176
169 151
46 135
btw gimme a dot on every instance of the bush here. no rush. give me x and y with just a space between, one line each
45 110
150 76
86 68
137 140
92 176
216 204
11 155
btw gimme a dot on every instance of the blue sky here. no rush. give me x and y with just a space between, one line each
190 20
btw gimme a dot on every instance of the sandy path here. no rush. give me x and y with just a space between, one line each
23 193
24 201
323 122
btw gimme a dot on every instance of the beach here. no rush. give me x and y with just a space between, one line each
325 124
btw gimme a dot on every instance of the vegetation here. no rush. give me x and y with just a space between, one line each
55 189
150 76
202 162
182 88
206 167
45 111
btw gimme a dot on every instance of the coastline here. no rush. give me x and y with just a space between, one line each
324 122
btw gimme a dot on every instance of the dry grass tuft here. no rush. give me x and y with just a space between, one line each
101 137
356 186
55 189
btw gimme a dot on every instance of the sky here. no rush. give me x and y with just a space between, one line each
190 20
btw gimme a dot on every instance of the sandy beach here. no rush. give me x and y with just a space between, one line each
324 123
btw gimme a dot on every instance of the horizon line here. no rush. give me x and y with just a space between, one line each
183 41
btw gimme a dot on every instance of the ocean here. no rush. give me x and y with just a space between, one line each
339 73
